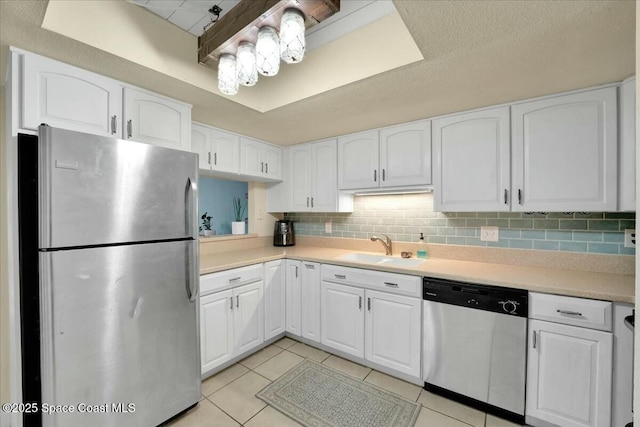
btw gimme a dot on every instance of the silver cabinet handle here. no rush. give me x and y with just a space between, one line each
312 202
215 158
535 339
231 301
369 304
391 285
266 168
235 279
296 271
114 124
340 276
310 266
237 301
375 175
569 313
307 202
384 175
519 196
359 303
209 158
505 196
129 129
262 167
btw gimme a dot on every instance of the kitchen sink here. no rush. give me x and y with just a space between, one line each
382 260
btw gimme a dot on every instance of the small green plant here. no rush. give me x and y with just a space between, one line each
206 222
239 208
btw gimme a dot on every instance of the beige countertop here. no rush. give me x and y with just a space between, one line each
605 286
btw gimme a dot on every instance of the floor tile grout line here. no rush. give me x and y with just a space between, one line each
255 415
226 413
242 375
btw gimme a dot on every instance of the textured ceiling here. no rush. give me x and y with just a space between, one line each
477 53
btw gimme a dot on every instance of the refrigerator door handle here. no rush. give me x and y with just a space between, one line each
192 272
189 201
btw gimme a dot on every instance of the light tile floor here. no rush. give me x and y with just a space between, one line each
229 396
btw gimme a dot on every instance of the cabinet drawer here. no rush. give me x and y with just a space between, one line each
583 312
215 282
370 279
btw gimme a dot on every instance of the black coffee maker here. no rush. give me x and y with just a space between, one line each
283 234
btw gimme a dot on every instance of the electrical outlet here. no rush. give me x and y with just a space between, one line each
327 227
489 234
629 238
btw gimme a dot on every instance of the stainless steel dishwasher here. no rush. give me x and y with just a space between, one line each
475 342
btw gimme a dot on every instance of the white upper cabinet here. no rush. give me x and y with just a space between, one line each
627 113
312 179
405 155
64 96
260 160
396 156
219 151
564 153
156 120
358 160
472 161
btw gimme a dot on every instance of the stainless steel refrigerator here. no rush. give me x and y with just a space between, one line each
111 274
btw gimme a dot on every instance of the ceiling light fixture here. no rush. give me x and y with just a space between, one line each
257 35
227 74
268 51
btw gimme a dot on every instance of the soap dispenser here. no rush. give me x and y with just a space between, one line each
422 247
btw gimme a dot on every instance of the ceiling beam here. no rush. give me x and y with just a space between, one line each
242 22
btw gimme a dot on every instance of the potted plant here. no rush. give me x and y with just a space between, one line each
206 225
239 208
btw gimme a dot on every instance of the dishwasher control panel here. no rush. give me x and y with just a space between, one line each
496 299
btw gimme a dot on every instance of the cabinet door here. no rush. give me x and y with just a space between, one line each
472 168
225 152
627 190
393 325
156 120
565 153
300 178
248 319
405 155
343 318
569 375
310 295
201 144
272 158
293 297
216 329
251 157
358 161
324 176
67 97
274 299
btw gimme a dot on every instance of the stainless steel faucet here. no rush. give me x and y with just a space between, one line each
386 244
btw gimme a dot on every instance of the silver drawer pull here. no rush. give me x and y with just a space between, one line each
235 279
340 276
391 285
310 266
569 313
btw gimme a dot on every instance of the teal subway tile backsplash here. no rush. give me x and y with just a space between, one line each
404 216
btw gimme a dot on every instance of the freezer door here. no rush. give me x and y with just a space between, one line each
119 333
96 190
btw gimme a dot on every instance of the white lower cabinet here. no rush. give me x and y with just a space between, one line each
293 304
216 329
343 318
383 328
392 331
568 375
310 300
232 319
274 299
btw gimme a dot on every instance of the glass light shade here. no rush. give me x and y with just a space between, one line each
227 74
292 42
268 51
247 69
